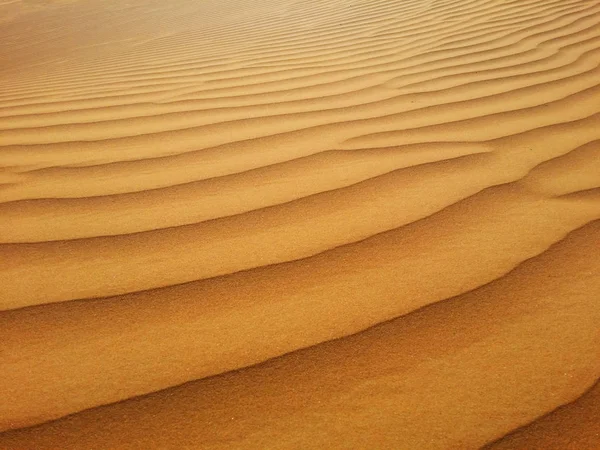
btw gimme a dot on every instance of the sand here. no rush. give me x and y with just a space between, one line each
288 224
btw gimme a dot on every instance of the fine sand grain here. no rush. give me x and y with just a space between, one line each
292 224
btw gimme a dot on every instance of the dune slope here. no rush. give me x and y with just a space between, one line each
296 224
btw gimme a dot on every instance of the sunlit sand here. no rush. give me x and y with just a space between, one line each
294 224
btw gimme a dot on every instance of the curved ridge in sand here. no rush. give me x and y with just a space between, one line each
337 220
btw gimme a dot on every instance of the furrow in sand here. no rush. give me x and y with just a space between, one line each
569 427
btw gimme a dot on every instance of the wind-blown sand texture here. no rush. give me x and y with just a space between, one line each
292 224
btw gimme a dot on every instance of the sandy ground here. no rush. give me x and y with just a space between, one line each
292 224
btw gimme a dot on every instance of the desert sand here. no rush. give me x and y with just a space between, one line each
293 224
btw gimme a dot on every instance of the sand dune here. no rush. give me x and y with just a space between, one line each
343 224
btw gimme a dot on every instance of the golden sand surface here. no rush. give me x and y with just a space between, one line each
294 224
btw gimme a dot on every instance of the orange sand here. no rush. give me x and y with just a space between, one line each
343 224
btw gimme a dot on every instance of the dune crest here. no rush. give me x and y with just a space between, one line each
295 224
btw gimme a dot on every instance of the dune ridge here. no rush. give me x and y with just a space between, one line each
332 220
